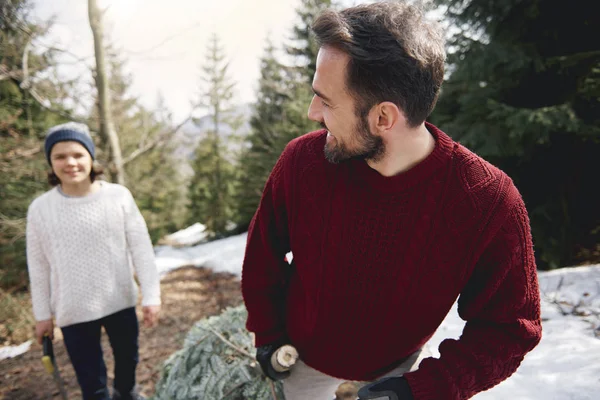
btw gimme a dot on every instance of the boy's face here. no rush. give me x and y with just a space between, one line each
71 162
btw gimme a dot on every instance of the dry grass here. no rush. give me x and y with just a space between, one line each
16 317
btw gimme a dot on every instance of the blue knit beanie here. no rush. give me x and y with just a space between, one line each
74 131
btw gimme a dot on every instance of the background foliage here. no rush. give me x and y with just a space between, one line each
523 92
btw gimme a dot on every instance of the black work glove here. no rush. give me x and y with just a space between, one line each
394 388
263 356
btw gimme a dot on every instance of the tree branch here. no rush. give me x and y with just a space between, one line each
5 73
43 102
233 346
161 138
25 84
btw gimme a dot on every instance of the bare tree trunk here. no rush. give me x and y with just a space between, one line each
107 128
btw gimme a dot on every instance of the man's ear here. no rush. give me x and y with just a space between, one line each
386 116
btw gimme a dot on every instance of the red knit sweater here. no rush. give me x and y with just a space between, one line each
379 261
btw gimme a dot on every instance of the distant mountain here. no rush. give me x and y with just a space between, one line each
186 139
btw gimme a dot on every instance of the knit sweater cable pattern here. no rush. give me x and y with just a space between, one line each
379 261
82 253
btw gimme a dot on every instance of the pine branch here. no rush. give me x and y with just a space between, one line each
215 363
233 389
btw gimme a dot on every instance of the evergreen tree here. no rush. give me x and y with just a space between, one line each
265 140
524 93
210 193
156 179
304 48
280 115
217 362
23 121
211 188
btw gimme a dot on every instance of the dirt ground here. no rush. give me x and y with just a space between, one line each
188 295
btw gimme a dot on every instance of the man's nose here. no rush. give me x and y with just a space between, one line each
314 110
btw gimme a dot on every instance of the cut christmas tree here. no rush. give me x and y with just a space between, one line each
217 362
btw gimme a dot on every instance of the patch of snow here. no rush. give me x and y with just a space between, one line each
191 235
13 351
225 255
573 290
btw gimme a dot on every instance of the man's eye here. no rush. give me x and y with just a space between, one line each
324 104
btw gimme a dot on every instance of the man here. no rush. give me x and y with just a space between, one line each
389 221
80 237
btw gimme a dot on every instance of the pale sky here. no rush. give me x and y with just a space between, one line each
164 41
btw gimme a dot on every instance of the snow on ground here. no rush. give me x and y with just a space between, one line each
564 366
225 255
189 236
13 351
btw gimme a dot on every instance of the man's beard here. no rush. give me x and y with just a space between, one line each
369 146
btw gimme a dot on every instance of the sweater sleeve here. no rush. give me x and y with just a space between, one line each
501 306
38 268
263 276
142 253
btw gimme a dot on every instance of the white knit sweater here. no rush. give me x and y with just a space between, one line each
80 252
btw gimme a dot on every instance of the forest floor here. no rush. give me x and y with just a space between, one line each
188 295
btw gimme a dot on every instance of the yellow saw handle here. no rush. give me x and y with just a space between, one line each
48 364
48 358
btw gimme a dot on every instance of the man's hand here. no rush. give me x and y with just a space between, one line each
263 356
44 328
151 315
394 388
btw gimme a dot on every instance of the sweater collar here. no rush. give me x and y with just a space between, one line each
438 158
79 199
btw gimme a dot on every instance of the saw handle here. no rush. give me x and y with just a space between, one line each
48 358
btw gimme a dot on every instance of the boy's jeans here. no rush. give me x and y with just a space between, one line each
83 345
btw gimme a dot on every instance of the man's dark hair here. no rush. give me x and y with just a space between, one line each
97 171
395 55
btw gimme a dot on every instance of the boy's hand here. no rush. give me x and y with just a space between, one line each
151 315
44 328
